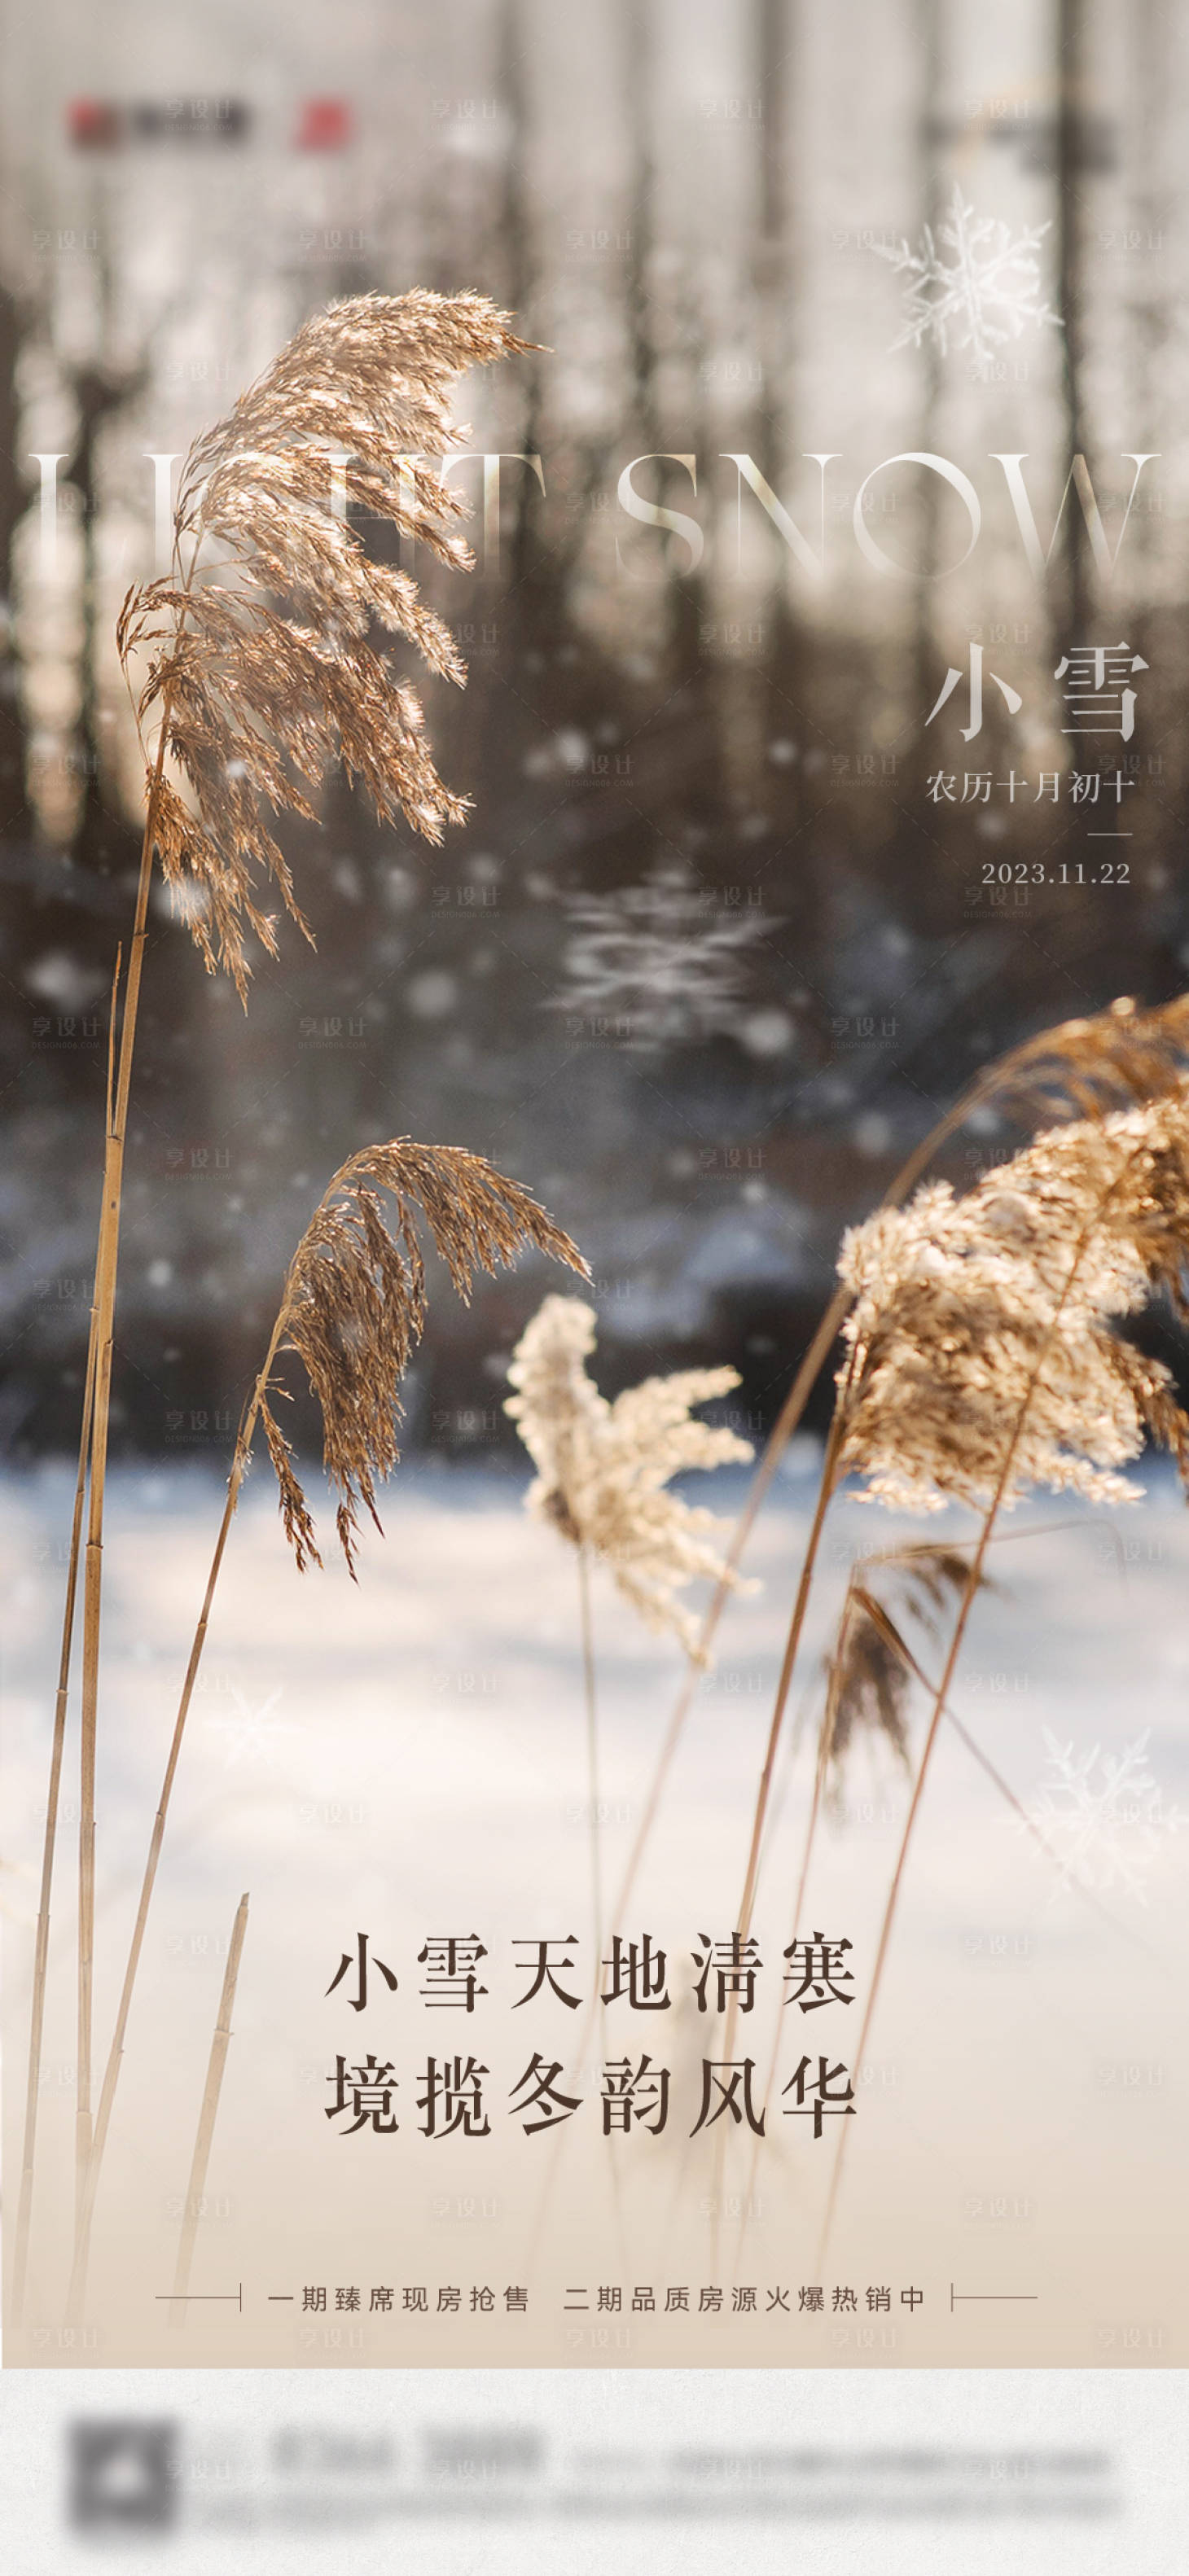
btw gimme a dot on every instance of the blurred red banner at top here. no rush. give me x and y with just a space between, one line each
99 124
325 125
93 123
104 125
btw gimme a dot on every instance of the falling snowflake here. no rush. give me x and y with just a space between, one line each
975 278
658 963
251 1730
1103 1816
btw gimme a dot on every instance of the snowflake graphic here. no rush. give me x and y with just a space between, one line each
975 279
251 1730
1103 1815
659 959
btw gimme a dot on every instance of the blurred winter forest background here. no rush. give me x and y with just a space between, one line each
710 953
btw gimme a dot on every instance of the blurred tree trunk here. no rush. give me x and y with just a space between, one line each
98 393
773 46
692 768
1149 311
16 819
928 15
771 430
517 265
1076 599
638 75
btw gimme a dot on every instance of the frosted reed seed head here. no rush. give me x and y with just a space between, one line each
263 668
602 1468
972 1312
871 1667
354 1305
867 1690
1118 1058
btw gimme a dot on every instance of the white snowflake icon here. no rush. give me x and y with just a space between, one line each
1103 1816
659 962
974 278
251 1730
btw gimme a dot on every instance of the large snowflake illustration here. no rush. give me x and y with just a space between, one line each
251 1730
662 962
1103 1816
974 279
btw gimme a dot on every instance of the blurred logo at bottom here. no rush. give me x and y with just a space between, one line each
123 2474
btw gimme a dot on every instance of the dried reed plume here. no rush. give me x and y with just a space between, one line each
1115 1059
870 1671
979 1354
1080 1229
869 1668
355 1304
57 1749
254 703
956 1299
602 1468
251 705
353 1309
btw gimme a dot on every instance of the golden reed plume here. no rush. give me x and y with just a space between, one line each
602 1468
961 1305
1082 1070
355 1304
352 1309
263 670
257 700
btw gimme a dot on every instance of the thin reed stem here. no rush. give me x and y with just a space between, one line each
955 1648
250 706
57 1746
825 1494
42 1942
778 1438
476 1217
105 1298
973 1582
239 1465
1021 1813
789 1417
592 1761
787 1422
207 2116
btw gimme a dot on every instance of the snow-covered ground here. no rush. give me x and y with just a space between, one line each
406 1758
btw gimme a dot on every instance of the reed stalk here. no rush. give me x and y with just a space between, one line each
1120 1054
106 1266
239 1468
252 707
825 1495
57 1747
939 1702
1166 1254
995 1776
207 2116
352 1309
602 1471
41 1944
592 1761
957 1316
